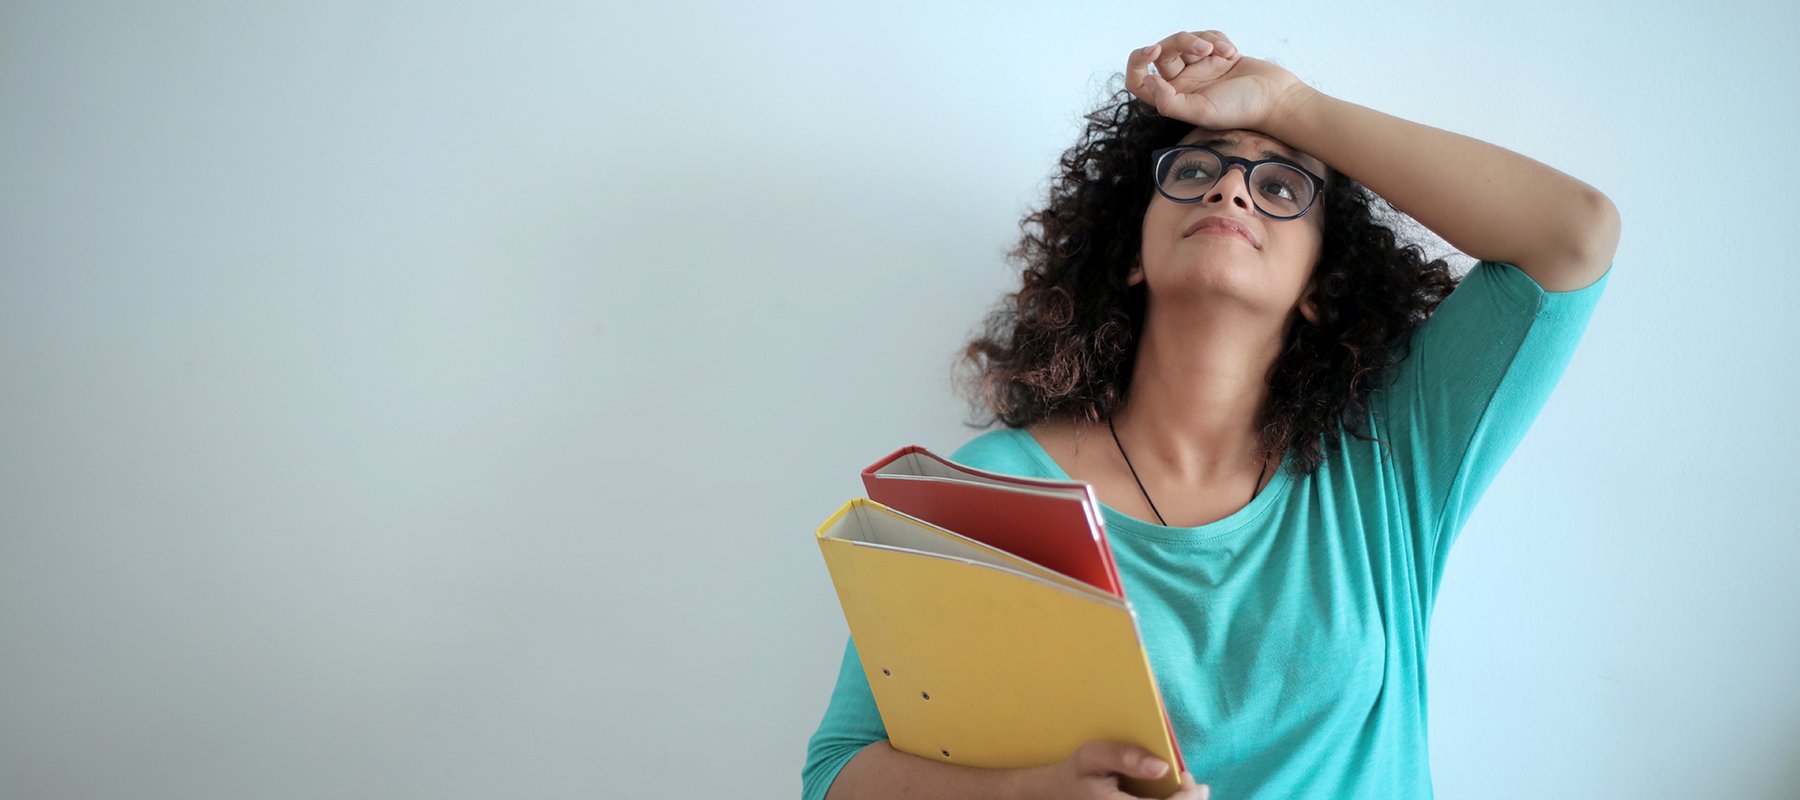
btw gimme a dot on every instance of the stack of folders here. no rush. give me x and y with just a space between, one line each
989 618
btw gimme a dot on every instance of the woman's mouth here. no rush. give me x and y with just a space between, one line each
1223 226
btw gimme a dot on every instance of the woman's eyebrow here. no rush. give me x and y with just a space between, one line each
1216 141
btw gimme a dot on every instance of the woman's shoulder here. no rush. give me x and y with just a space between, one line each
1003 450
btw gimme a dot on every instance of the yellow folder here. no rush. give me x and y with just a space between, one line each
981 658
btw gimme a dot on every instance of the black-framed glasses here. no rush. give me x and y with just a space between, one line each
1279 188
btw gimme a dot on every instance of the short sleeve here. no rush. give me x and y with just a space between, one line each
851 723
999 450
1476 375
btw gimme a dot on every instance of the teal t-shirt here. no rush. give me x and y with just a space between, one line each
1289 638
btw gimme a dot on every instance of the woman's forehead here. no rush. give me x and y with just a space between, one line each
1241 140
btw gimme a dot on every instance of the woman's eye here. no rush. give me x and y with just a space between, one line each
1279 189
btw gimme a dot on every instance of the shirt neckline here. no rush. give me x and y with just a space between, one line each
1119 522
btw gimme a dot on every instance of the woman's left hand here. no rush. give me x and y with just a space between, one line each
1202 79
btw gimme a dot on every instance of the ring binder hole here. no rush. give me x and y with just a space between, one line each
946 753
926 695
884 671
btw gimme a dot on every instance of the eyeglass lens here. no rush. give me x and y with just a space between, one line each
1277 189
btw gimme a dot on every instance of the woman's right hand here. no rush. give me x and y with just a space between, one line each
1203 80
1092 773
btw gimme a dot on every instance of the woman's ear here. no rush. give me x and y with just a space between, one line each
1309 306
1309 310
1136 275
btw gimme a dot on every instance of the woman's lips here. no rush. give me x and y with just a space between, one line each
1222 225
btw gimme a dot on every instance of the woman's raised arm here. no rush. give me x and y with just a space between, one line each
1484 200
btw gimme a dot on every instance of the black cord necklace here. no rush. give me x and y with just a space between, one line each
1140 482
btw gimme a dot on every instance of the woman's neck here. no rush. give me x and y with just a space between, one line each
1196 399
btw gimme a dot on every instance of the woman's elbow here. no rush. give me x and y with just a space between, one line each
1597 233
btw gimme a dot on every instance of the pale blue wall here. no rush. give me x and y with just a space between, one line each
416 400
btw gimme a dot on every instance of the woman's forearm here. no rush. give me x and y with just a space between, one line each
1484 200
879 772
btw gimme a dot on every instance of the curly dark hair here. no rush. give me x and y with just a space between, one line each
1064 344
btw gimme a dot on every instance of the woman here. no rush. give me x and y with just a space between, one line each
1212 304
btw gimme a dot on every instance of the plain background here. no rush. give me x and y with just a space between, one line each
437 400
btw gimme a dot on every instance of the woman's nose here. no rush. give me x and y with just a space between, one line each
1236 186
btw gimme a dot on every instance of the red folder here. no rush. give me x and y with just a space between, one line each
1055 524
